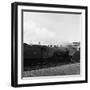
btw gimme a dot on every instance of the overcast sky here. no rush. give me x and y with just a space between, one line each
51 28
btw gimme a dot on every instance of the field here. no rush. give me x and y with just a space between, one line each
69 69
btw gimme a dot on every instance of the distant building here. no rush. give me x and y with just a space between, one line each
76 45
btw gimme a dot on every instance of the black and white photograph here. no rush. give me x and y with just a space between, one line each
51 43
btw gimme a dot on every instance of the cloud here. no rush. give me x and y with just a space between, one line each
34 34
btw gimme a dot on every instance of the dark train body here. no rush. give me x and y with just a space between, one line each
36 54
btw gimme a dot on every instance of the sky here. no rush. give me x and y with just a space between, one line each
51 28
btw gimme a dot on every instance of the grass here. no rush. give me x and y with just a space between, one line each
68 69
